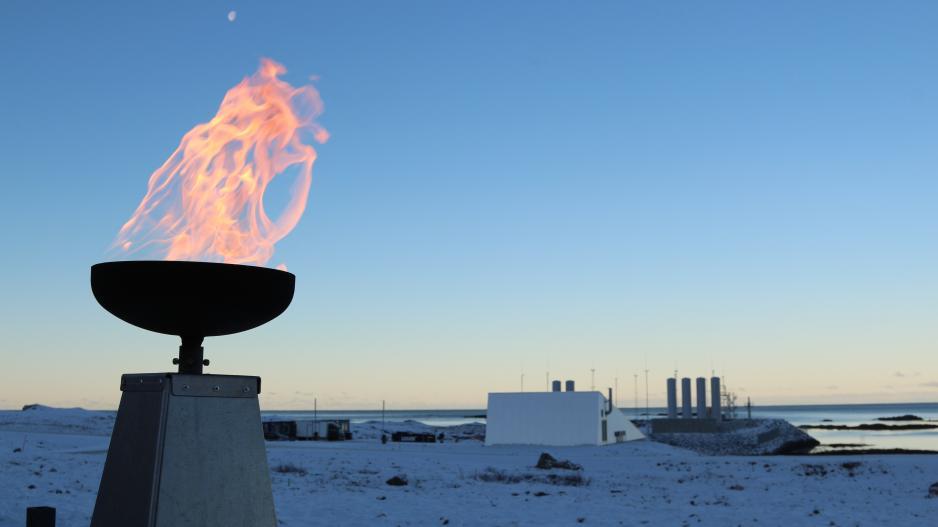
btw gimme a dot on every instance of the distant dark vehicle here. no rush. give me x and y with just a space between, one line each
328 430
411 437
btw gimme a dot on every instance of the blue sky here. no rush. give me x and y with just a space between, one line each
747 187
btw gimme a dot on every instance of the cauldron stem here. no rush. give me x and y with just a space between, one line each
190 356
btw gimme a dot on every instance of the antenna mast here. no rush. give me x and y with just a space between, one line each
635 375
647 414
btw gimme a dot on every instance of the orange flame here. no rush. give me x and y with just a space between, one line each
207 200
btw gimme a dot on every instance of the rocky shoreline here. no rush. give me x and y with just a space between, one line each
758 437
906 417
870 427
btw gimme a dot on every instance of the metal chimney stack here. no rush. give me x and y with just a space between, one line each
716 411
672 398
685 398
555 386
701 397
571 387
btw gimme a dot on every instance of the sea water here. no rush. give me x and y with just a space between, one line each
856 414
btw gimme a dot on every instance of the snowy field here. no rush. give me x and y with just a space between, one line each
54 457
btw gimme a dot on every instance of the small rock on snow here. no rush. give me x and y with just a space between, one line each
397 481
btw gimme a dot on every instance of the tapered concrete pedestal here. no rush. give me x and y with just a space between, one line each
186 451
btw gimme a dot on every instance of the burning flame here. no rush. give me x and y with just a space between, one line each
207 200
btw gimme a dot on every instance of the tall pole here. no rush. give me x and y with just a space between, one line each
636 394
592 379
647 414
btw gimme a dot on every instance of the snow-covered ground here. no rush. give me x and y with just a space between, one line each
54 457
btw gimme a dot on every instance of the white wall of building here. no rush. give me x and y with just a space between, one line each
619 422
553 418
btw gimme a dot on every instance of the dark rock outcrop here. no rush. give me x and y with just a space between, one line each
547 462
797 446
871 427
906 417
397 481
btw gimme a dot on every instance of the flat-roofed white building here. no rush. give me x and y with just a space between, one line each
556 419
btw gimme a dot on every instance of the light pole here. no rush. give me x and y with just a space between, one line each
647 414
636 394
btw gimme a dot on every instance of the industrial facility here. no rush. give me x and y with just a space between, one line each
556 418
705 419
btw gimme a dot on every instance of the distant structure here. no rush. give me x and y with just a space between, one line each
302 429
685 398
672 398
715 411
556 418
685 421
701 397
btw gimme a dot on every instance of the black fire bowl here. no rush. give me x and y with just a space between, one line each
191 299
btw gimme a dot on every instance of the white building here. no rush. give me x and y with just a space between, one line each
556 419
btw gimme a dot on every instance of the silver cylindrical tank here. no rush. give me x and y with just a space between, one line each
701 397
555 386
571 387
715 410
672 398
686 411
